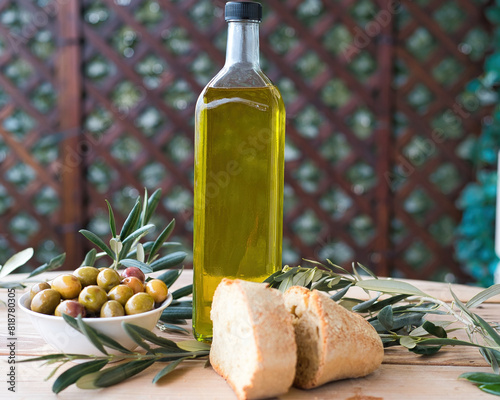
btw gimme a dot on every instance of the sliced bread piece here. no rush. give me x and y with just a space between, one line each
253 345
332 342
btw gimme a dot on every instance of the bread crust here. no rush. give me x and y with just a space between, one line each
253 344
347 345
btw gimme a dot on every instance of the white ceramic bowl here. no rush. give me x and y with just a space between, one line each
63 337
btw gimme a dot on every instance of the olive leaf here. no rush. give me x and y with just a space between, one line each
161 239
435 330
106 340
368 271
168 261
365 305
135 336
152 204
390 286
72 374
287 274
131 221
138 233
90 334
54 263
16 261
172 328
484 295
183 291
98 242
173 313
146 334
341 293
112 223
169 368
111 376
90 258
491 389
386 317
482 378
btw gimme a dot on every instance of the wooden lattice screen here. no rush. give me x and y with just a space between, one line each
97 101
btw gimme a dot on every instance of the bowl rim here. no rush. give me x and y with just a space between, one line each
25 309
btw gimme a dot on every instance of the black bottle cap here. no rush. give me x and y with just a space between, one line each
236 10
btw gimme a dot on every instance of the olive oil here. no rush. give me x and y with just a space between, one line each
238 191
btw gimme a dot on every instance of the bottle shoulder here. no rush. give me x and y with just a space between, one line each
240 75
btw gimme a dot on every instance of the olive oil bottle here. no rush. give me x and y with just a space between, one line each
238 183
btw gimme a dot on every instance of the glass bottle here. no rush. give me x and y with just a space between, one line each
239 162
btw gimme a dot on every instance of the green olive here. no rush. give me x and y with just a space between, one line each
157 289
108 278
87 275
121 294
92 298
38 287
70 307
67 285
139 303
112 308
46 301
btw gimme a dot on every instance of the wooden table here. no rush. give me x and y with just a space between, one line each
403 375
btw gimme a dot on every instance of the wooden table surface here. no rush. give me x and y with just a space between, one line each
403 375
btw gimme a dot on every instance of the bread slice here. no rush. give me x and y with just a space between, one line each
332 342
253 345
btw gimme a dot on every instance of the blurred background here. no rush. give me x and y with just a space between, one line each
387 162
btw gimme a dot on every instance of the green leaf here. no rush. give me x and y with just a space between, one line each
16 261
193 345
460 304
144 207
483 296
161 239
365 305
286 283
386 317
135 336
389 301
168 261
138 233
489 329
183 291
408 342
299 279
482 378
128 262
169 368
55 357
343 270
173 328
152 204
131 221
90 258
435 330
112 376
367 271
72 374
106 340
169 246
285 275
399 321
270 278
390 286
171 276
98 242
151 337
491 389
170 313
54 263
90 334
425 350
341 293
112 223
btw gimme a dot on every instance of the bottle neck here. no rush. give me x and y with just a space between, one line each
243 43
